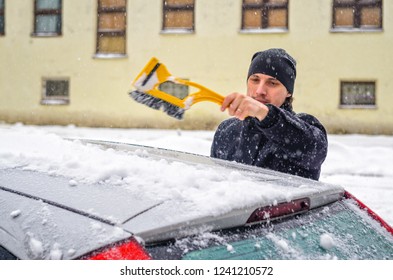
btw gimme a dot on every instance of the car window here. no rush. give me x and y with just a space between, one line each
5 255
337 231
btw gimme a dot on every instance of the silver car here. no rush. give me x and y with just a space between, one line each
280 216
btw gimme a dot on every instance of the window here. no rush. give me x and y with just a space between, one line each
2 18
264 14
4 253
357 95
355 234
55 91
357 14
178 15
47 17
111 27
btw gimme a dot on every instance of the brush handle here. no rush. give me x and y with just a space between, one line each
204 94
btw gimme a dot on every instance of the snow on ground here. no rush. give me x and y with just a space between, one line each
362 164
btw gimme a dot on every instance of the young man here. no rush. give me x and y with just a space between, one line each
265 131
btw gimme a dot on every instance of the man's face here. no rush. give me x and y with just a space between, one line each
266 89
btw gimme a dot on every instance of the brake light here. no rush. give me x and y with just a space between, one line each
125 250
369 211
279 210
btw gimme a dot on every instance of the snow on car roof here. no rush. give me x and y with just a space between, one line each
207 187
151 177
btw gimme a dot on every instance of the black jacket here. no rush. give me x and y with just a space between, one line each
283 141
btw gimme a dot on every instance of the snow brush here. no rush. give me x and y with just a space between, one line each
149 91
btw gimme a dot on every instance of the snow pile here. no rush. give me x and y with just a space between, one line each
16 213
38 150
350 159
362 164
326 241
35 247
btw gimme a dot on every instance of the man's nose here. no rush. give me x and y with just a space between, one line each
261 89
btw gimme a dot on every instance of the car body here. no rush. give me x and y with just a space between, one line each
273 216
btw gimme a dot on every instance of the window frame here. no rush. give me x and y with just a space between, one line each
54 100
265 6
178 7
357 106
2 14
357 5
111 33
56 12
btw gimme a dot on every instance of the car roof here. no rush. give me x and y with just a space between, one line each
155 218
176 218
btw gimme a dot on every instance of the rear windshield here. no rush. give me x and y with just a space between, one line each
337 231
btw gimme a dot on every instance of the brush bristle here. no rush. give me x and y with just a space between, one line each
157 104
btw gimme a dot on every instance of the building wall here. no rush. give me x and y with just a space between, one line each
217 55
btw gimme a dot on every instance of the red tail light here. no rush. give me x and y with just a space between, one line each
279 210
129 249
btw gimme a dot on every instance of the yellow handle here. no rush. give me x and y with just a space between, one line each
204 94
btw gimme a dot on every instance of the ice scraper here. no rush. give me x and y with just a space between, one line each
149 90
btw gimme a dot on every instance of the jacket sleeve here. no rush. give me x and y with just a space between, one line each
223 140
300 137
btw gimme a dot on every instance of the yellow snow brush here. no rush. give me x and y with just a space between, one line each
154 83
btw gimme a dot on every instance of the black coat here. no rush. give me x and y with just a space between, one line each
283 141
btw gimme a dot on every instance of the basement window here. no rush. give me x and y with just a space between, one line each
55 91
358 95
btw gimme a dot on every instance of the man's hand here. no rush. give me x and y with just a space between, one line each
241 107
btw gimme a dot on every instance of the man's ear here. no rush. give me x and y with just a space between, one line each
289 94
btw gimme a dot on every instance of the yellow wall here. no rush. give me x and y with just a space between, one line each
217 55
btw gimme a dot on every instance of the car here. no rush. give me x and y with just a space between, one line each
201 209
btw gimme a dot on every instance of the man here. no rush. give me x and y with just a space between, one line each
265 131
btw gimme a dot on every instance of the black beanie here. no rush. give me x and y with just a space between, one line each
276 63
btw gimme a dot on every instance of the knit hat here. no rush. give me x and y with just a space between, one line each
276 63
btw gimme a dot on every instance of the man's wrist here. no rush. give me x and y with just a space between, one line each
271 117
262 113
